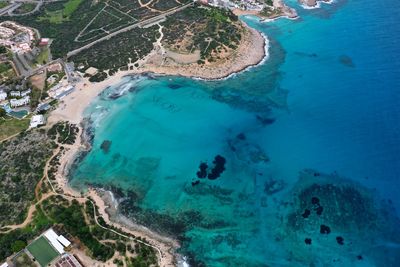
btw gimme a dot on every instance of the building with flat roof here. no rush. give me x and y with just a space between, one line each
36 121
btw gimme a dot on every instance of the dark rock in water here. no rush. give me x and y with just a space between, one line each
359 257
265 121
319 210
105 146
324 229
306 213
219 167
315 201
308 241
132 89
203 170
174 86
195 182
241 136
346 61
340 240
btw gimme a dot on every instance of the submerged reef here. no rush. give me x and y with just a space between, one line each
328 210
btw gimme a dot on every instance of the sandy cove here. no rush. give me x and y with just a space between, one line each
250 52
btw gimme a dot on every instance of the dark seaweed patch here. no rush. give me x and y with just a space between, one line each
319 210
306 213
346 61
324 229
241 136
315 201
202 173
174 86
105 146
265 121
340 240
308 241
219 167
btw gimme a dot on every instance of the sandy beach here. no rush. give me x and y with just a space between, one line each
250 52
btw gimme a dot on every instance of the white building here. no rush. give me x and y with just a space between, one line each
15 93
36 121
52 237
59 242
3 95
19 102
26 92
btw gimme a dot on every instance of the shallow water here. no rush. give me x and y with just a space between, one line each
327 99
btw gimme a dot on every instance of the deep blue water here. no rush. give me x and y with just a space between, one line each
327 99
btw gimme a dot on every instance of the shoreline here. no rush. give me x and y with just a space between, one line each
71 108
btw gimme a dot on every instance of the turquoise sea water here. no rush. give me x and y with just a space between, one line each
327 99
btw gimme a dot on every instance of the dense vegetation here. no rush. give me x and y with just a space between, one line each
63 20
210 30
65 131
117 52
22 160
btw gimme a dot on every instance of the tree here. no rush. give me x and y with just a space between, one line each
18 245
3 112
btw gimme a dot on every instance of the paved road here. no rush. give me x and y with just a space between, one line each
128 28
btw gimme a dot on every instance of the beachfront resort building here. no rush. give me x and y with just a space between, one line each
36 121
19 102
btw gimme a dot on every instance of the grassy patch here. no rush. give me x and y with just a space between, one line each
43 57
62 15
11 126
71 6
3 4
